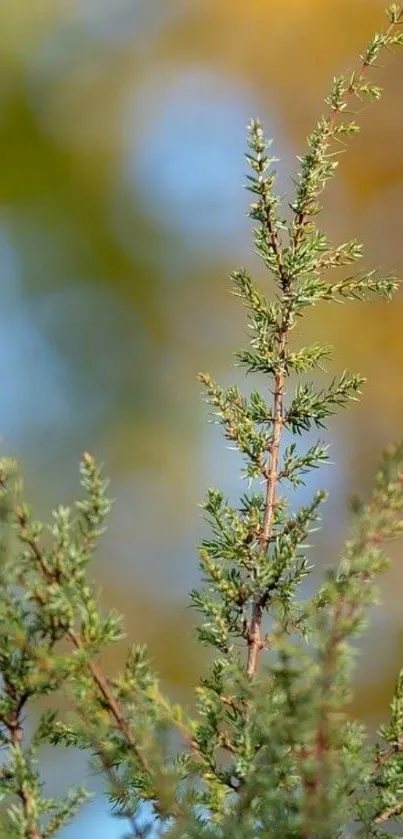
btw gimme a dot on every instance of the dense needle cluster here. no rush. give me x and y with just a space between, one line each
271 750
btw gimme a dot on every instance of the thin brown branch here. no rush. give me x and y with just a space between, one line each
255 643
16 731
254 634
389 813
110 700
254 629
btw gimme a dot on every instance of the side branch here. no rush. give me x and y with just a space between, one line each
24 791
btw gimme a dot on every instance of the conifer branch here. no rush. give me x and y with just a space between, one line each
25 789
53 580
270 751
317 167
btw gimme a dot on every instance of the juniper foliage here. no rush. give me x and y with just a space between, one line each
271 750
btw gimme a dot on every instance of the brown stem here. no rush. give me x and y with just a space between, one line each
389 813
24 792
254 633
255 628
110 700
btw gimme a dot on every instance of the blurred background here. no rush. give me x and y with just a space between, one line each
122 132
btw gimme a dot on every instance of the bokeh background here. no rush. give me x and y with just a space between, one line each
122 132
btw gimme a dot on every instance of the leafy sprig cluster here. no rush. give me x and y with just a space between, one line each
271 750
